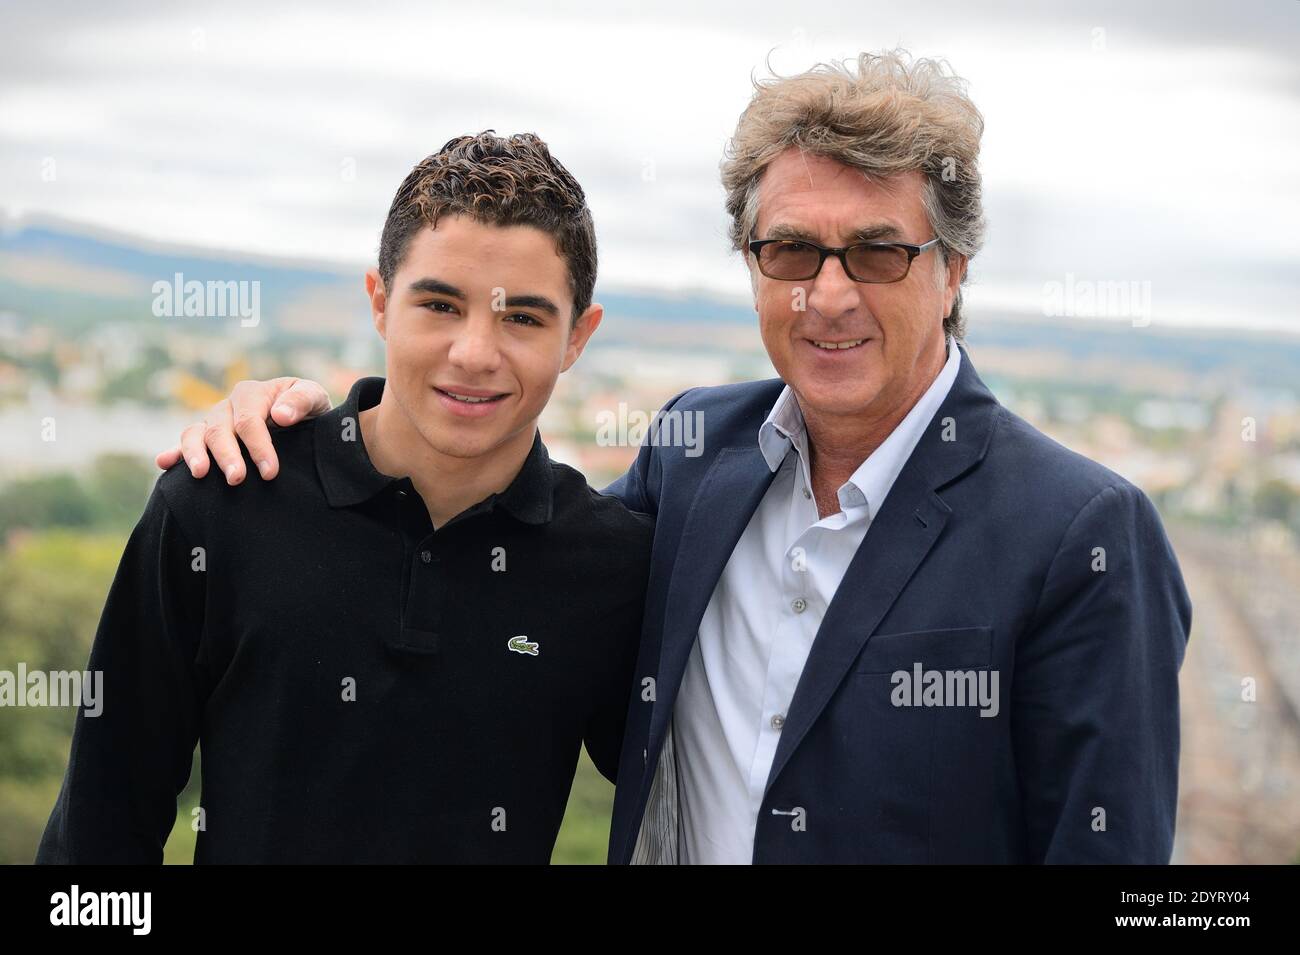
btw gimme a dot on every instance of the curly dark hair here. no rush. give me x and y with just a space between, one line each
500 181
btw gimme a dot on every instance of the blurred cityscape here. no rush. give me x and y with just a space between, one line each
93 382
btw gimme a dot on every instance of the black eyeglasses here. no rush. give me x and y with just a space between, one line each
794 260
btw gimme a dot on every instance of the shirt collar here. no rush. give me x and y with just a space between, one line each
349 477
784 429
530 496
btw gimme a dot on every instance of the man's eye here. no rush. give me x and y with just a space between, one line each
436 306
523 319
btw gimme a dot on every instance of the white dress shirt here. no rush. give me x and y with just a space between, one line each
761 621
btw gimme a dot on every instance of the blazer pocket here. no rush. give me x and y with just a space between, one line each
963 648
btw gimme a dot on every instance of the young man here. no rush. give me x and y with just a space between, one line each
395 652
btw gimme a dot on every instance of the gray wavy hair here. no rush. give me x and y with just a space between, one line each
891 114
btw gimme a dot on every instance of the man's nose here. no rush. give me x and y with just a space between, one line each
832 293
476 348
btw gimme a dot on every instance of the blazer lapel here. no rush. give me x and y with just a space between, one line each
723 505
897 541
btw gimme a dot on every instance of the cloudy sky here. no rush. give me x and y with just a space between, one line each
1159 145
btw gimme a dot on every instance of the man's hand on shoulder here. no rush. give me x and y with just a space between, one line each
243 417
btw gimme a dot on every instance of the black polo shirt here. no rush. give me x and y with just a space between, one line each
364 688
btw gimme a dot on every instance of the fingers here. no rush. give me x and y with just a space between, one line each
219 436
194 451
304 398
165 459
250 405
243 417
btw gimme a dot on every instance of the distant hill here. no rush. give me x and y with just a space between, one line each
71 277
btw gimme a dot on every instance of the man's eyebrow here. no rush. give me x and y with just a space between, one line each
438 287
782 230
867 233
533 301
880 230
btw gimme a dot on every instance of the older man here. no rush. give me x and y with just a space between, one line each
887 620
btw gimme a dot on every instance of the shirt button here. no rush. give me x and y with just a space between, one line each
807 493
426 556
798 605
778 721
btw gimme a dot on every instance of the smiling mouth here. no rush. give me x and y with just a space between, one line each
467 398
837 346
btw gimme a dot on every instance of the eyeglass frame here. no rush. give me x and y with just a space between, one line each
756 245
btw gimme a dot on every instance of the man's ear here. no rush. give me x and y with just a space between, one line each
583 328
378 302
955 271
752 268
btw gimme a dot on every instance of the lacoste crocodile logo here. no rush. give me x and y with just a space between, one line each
521 644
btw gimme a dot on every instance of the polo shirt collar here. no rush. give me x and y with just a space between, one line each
342 462
349 478
530 496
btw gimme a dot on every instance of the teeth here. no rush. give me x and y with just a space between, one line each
836 346
466 398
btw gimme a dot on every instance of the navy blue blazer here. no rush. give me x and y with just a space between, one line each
996 549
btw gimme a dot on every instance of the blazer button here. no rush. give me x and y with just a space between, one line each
426 556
